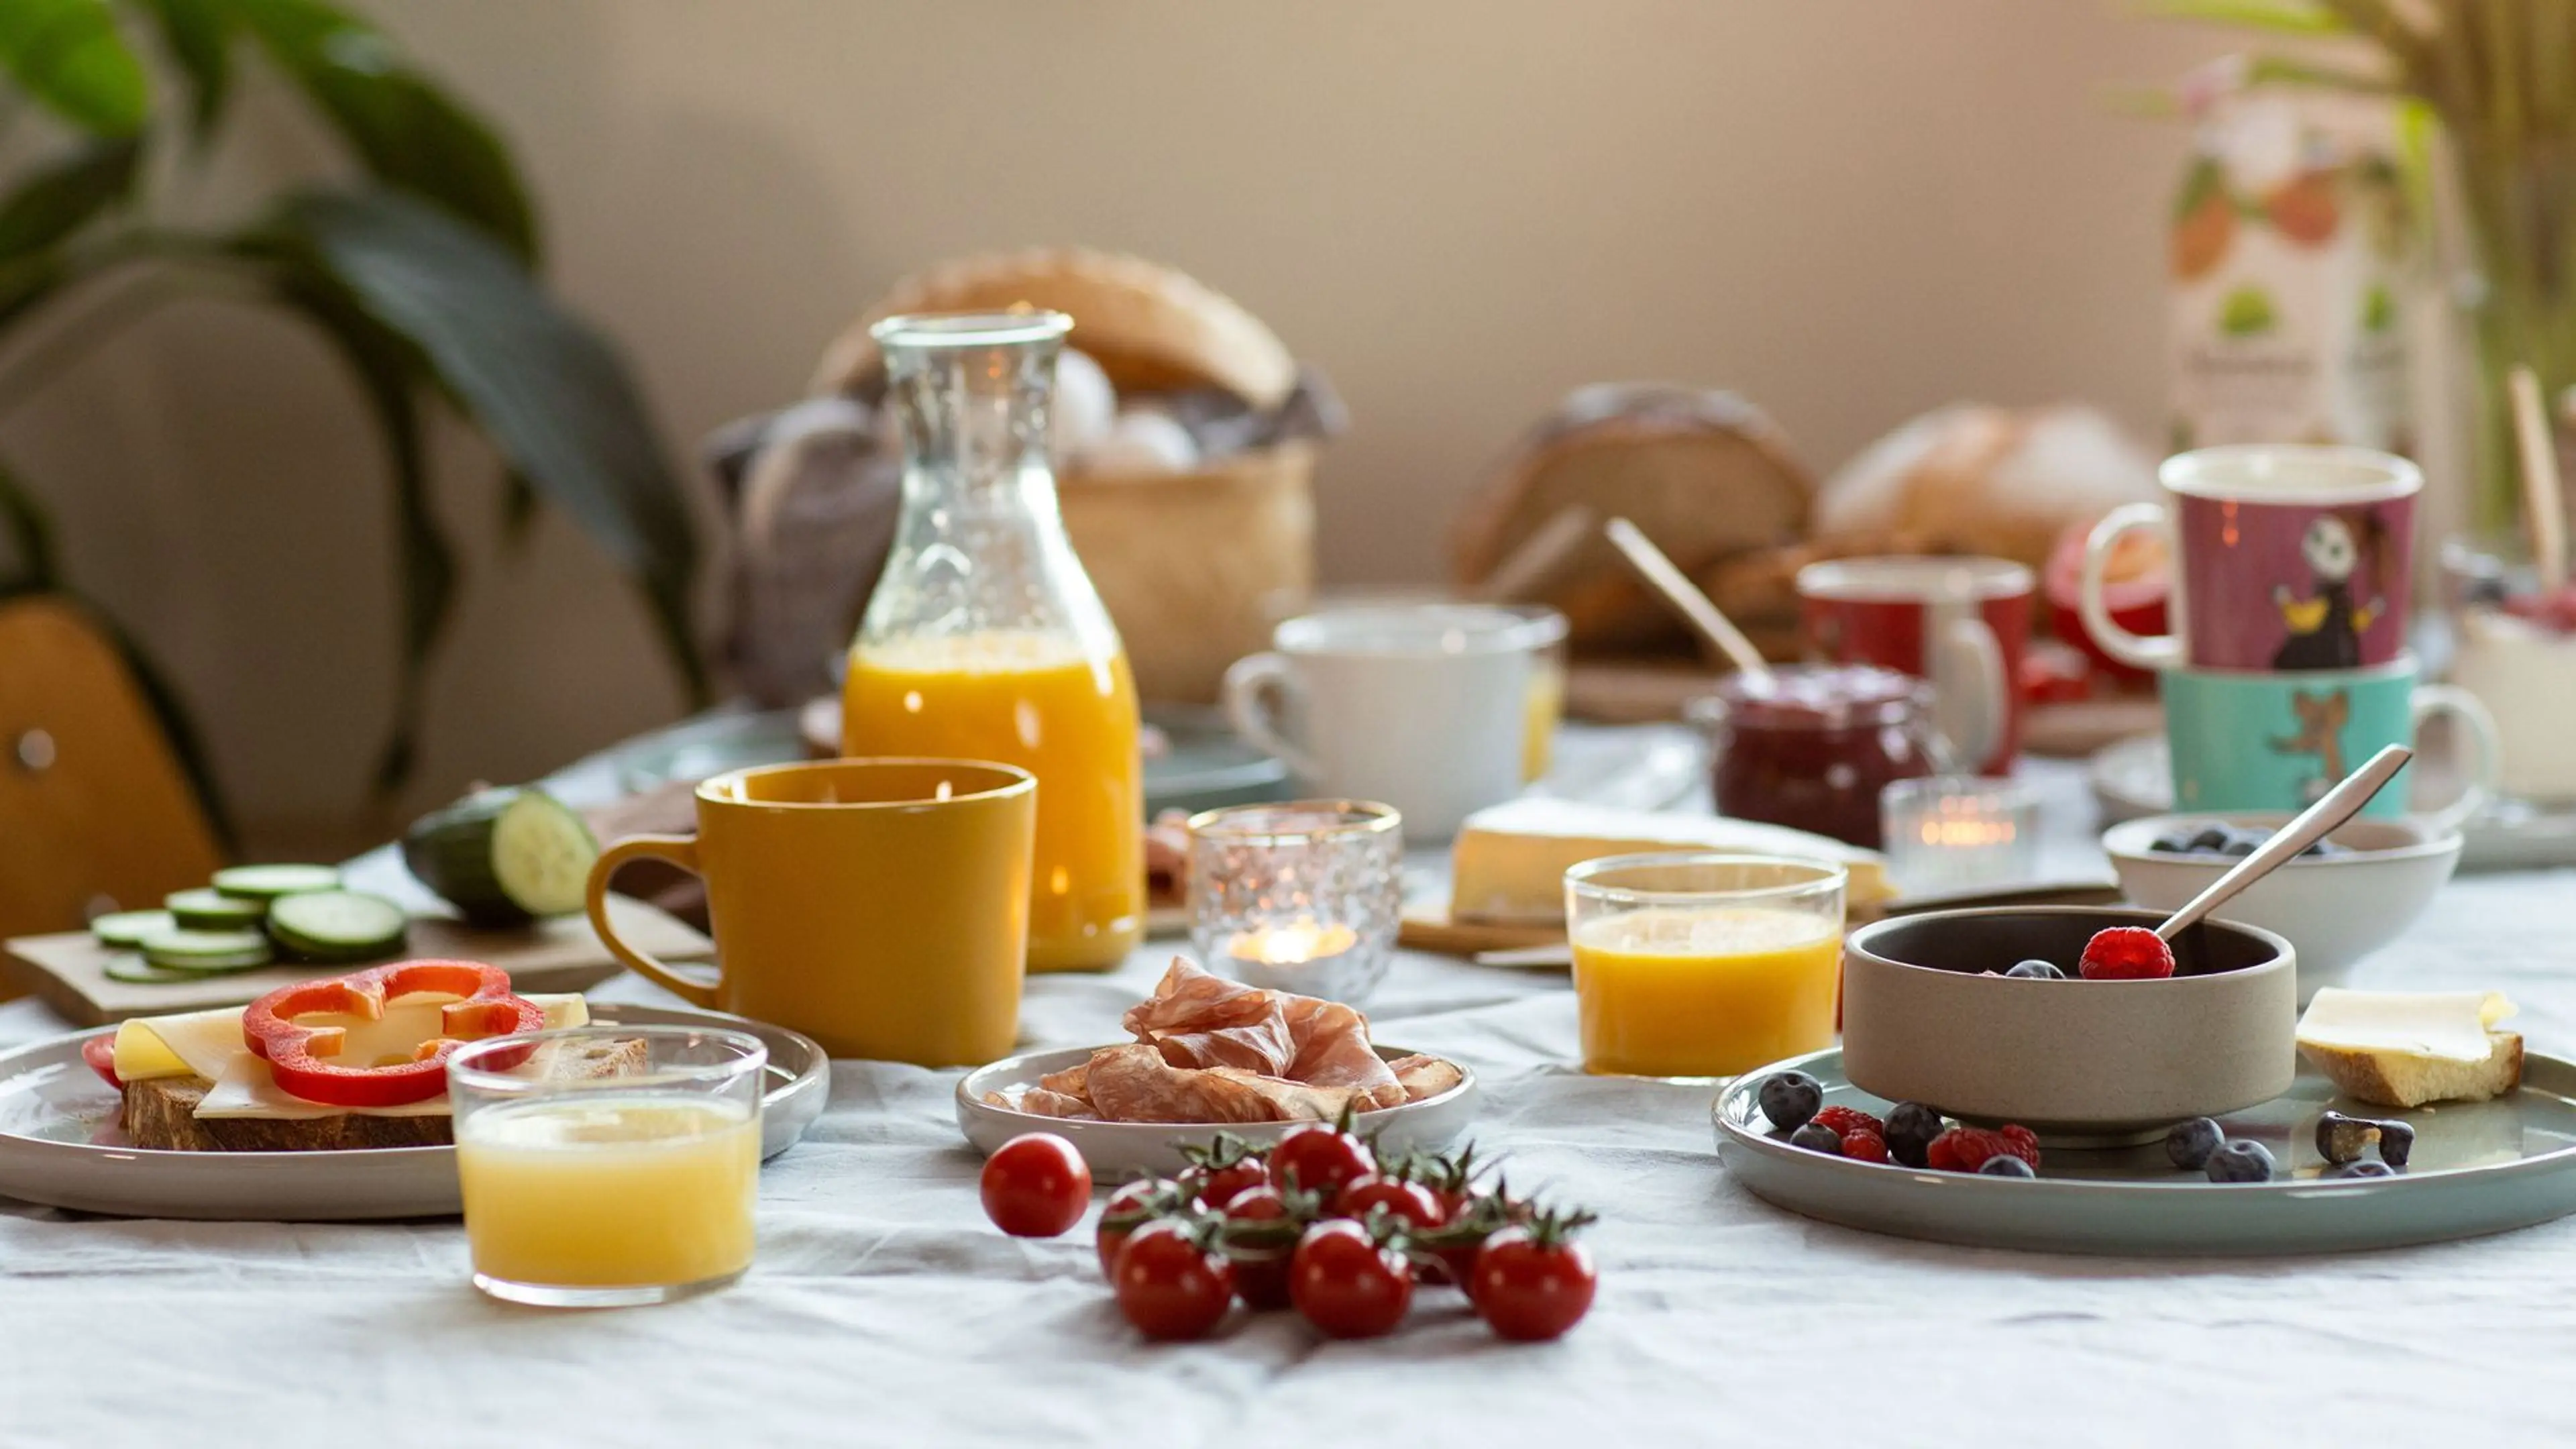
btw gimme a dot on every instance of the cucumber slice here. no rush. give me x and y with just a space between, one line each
337 925
133 970
207 909
268 882
128 928
503 857
207 951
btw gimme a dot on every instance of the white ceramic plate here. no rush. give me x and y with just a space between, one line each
2479 1167
1117 1150
60 1146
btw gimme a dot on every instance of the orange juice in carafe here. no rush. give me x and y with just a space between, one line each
1035 700
984 639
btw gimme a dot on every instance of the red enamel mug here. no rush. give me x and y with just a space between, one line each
1961 623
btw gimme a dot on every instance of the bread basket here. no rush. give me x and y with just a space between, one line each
1193 564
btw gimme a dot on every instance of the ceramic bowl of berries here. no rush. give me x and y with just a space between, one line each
2075 1021
2345 897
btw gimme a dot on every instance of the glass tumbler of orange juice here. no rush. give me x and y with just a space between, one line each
1697 964
608 1166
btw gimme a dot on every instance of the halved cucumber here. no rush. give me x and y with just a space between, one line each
504 856
128 928
337 926
207 909
268 882
207 952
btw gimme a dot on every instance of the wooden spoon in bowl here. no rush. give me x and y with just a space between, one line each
2305 829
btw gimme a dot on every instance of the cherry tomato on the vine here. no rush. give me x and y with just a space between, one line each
1346 1285
1128 1209
1261 1269
1219 1186
1533 1283
1036 1185
1410 1201
1319 1159
1169 1285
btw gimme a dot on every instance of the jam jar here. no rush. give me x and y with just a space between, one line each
1811 745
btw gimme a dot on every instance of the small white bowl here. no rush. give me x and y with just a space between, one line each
2336 909
1118 1150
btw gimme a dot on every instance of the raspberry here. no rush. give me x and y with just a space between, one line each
2126 953
1865 1145
1965 1149
1843 1121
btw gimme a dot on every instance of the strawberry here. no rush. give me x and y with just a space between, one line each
2126 953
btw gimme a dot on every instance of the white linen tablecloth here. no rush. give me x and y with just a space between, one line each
884 1310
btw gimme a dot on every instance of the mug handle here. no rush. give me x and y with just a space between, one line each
2141 651
679 850
1970 653
1249 683
2486 777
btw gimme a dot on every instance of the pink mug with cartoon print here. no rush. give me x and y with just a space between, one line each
2286 558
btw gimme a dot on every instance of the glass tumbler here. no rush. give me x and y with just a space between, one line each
1302 896
1702 964
607 1166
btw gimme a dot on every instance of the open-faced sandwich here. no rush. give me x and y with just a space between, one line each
1212 1050
340 1062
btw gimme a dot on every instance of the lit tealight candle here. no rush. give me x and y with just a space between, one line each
1292 945
1949 833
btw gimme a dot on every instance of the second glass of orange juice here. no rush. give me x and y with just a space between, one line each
1693 964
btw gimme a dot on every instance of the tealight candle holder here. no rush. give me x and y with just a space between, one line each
1956 832
1302 896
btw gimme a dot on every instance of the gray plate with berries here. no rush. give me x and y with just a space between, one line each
2471 1168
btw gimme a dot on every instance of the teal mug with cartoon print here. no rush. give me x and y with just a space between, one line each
2290 558
2244 741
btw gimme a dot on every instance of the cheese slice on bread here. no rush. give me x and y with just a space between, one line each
2407 1048
1508 865
192 1085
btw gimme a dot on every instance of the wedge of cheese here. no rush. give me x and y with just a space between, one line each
209 1044
2407 1048
1509 862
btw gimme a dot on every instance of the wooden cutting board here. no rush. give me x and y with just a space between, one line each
563 954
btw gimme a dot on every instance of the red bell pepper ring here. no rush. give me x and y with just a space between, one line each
99 1052
296 1053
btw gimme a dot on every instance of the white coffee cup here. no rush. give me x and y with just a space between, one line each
1423 706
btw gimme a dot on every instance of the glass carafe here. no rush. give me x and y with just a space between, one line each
985 640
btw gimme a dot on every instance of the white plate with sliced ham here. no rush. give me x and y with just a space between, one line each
1206 1054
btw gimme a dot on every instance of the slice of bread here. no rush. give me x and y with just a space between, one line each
2407 1079
161 1114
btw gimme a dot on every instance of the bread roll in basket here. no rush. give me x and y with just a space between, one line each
1194 564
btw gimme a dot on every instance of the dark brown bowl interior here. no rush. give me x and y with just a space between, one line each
1969 944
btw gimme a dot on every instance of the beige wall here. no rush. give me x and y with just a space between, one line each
1848 209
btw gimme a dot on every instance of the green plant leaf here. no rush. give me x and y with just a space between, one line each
2287 17
407 131
30 531
63 197
68 55
392 375
548 391
198 34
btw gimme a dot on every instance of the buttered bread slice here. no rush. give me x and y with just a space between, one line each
2407 1048
1508 865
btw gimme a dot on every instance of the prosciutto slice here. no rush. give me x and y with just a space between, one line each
1201 1020
1135 1084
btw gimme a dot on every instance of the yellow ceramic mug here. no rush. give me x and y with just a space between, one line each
880 907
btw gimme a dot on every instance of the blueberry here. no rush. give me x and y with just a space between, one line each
2172 843
2037 971
2396 1143
2243 842
2362 1169
1817 1137
2328 848
2240 1162
2209 837
2190 1143
1911 1126
1790 1098
2342 1139
2004 1164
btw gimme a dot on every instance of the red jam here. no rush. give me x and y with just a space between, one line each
1811 745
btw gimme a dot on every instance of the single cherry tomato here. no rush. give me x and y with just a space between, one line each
1410 1201
1260 1267
1169 1285
1346 1285
1319 1159
1130 1208
1533 1283
1036 1185
1219 1186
